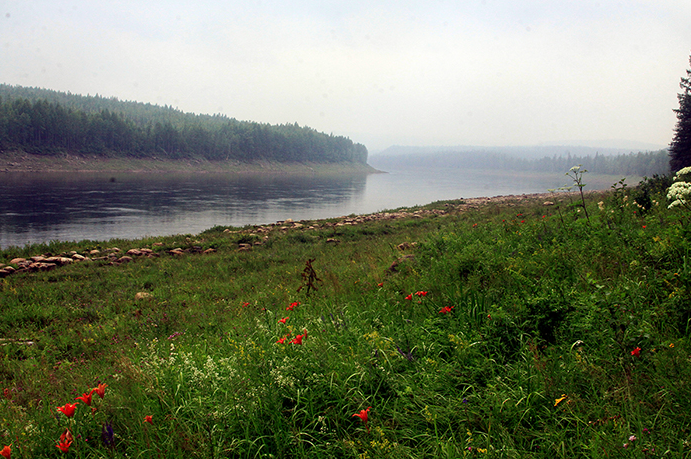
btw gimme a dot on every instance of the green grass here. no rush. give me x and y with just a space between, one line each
534 358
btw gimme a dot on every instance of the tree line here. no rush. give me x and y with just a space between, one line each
647 163
48 122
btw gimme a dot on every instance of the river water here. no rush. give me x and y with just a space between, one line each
42 207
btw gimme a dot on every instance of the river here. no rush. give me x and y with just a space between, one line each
42 207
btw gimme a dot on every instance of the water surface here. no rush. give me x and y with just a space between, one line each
41 207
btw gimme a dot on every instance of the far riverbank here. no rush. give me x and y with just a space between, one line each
19 161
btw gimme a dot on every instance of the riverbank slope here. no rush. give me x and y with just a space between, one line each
19 161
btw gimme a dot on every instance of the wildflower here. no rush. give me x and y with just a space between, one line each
632 438
474 225
409 297
68 409
148 418
100 390
6 452
446 309
85 397
64 445
67 436
65 442
108 436
421 293
380 284
522 221
6 393
281 340
245 304
298 338
560 399
671 344
636 352
283 320
292 305
364 416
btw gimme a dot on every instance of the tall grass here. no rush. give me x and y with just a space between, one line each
515 329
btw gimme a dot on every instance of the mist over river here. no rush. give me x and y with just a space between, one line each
41 207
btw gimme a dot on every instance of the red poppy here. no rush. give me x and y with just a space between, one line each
363 415
283 320
282 340
245 304
636 352
409 297
85 397
421 293
68 409
446 309
292 305
100 390
6 452
148 418
380 284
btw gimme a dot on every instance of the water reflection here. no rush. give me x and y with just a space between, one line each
61 206
40 208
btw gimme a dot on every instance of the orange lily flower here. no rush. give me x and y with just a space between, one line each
149 419
364 416
100 390
85 397
68 409
6 452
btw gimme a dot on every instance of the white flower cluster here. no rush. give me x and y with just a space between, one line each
680 192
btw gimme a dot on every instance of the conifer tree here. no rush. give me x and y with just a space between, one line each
680 148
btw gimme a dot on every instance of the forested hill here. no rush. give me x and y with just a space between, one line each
47 122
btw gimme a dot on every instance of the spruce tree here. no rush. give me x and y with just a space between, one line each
680 148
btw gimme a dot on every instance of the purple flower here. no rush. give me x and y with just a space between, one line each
108 436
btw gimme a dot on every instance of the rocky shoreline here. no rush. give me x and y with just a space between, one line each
115 256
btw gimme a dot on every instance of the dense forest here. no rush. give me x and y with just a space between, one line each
647 163
47 122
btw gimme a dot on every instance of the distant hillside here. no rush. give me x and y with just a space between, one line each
541 159
46 122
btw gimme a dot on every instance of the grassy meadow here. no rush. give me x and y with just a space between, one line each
512 329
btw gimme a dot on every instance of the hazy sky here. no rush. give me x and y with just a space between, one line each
432 72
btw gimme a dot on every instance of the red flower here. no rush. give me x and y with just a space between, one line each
281 340
68 409
6 452
292 305
100 390
636 352
86 397
380 284
148 418
446 309
409 297
64 446
283 320
421 293
298 338
245 304
7 394
363 415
